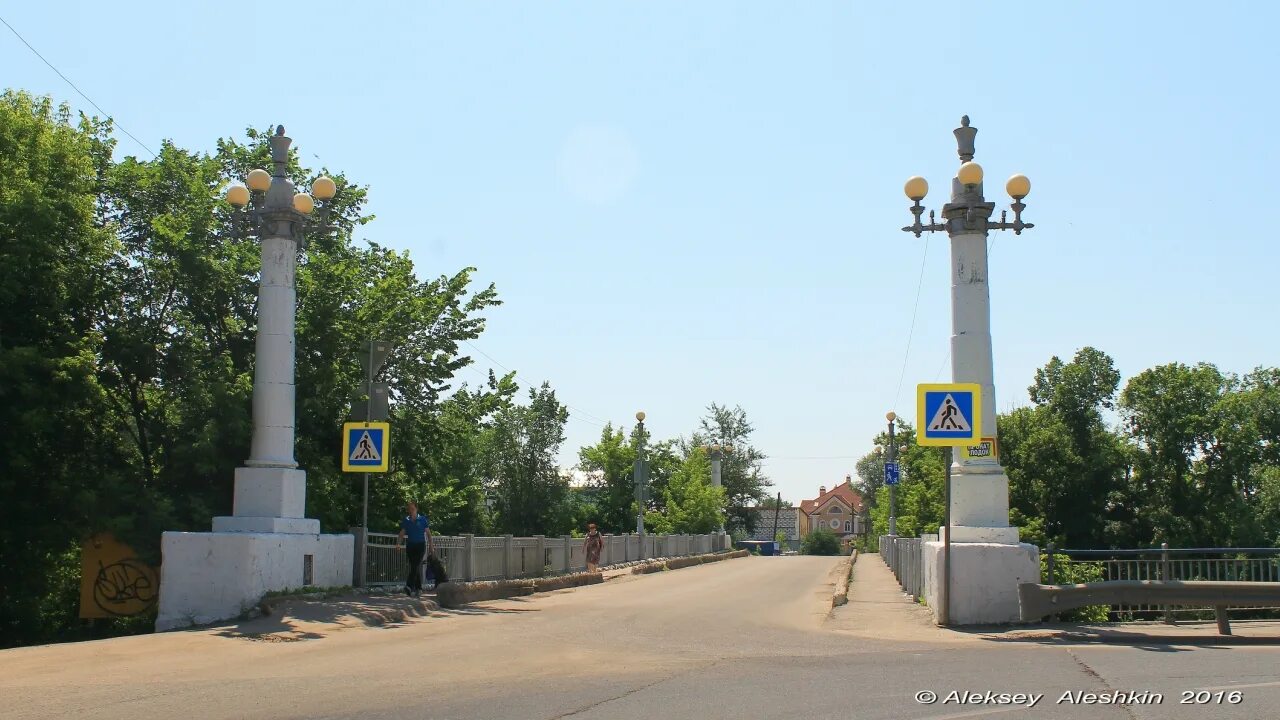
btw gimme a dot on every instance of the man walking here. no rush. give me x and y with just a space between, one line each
415 531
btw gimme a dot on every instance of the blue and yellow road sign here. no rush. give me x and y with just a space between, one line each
365 446
948 414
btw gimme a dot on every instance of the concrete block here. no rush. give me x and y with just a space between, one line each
985 579
270 492
210 577
231 523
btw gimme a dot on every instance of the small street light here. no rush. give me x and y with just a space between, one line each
891 416
641 477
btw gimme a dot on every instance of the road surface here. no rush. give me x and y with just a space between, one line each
748 639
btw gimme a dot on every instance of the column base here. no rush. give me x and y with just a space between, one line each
1007 535
242 524
270 492
985 578
209 577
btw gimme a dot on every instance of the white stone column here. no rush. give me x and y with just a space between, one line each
979 489
273 388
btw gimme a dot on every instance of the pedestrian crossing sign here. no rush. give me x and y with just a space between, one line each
365 446
948 414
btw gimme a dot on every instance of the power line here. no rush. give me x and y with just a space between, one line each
813 457
914 311
597 421
73 87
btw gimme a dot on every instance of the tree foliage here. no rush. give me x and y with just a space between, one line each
127 326
1192 459
820 541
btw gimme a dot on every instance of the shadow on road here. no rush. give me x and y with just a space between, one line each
1154 638
486 609
295 619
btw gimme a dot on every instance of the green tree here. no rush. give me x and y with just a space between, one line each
692 504
610 466
129 315
1064 465
66 473
820 541
741 470
531 496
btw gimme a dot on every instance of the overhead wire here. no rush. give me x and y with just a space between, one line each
914 313
77 89
584 415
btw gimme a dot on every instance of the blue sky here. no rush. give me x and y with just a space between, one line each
683 203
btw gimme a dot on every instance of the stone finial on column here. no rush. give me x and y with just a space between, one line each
964 139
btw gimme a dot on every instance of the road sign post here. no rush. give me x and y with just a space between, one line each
377 408
949 415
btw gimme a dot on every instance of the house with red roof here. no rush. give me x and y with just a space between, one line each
836 509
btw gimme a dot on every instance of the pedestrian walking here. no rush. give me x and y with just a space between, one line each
415 532
592 546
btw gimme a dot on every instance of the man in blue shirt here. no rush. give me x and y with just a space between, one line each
416 530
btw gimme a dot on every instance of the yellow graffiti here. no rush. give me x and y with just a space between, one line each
113 581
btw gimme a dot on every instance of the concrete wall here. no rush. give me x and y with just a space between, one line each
984 589
208 577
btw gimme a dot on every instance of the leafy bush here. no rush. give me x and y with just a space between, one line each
1069 572
820 542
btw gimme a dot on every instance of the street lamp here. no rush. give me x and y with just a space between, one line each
280 217
717 452
968 212
641 476
891 416
977 505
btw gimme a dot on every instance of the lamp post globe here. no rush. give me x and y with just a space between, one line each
258 180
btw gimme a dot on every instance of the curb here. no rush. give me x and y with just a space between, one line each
840 595
457 594
684 562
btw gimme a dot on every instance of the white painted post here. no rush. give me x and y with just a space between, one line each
469 556
541 554
608 550
507 546
568 553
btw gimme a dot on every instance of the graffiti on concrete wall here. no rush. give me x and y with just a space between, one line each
113 581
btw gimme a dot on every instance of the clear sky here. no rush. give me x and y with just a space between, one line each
683 203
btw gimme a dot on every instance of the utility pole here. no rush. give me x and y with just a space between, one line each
777 511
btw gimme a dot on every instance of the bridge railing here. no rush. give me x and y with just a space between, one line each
1070 566
472 557
905 557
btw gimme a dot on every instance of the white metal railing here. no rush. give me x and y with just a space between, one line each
470 557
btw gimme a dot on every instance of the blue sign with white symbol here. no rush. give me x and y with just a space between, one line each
365 446
891 473
949 414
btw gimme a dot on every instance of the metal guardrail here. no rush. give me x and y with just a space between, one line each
469 557
1163 564
1037 601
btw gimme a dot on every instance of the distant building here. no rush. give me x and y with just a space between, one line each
788 520
839 510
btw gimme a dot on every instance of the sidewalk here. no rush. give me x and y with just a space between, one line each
878 608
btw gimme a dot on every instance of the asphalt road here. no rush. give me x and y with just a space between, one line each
745 639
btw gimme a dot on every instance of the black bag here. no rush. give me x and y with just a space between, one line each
436 569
